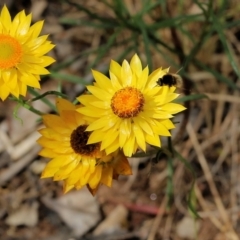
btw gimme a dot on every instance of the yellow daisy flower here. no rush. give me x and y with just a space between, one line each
130 109
22 53
64 140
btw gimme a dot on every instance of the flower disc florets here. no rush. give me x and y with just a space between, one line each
127 102
79 139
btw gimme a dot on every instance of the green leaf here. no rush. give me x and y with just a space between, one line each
92 15
81 22
191 97
218 26
147 43
105 48
176 21
170 188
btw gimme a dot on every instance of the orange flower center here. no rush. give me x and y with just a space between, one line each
127 102
10 52
79 138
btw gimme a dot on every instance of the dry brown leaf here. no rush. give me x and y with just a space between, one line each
79 210
114 222
26 215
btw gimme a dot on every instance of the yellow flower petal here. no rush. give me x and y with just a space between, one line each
95 177
53 135
144 125
160 129
67 188
4 91
125 132
36 28
115 68
56 123
173 108
140 138
63 104
126 74
128 148
49 172
29 80
115 81
90 112
106 177
74 175
122 166
136 65
64 172
168 124
48 153
113 148
69 118
102 81
142 83
153 140
110 137
5 18
99 93
60 161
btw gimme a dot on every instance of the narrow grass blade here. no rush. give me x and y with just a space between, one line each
191 97
68 78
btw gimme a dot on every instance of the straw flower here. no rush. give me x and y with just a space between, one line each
22 53
64 141
129 108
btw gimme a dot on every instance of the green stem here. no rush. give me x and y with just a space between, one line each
30 108
46 101
26 105
48 93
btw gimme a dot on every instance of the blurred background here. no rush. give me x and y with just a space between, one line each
197 39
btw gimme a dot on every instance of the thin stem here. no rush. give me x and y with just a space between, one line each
46 101
48 93
32 109
25 104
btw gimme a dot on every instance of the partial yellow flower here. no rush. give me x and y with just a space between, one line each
64 140
22 53
130 109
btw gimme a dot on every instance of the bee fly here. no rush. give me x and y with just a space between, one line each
171 80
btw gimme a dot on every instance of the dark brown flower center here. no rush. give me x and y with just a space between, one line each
79 138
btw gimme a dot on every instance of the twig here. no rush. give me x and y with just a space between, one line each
209 178
223 97
157 220
6 142
18 166
204 206
24 146
235 165
219 113
168 226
